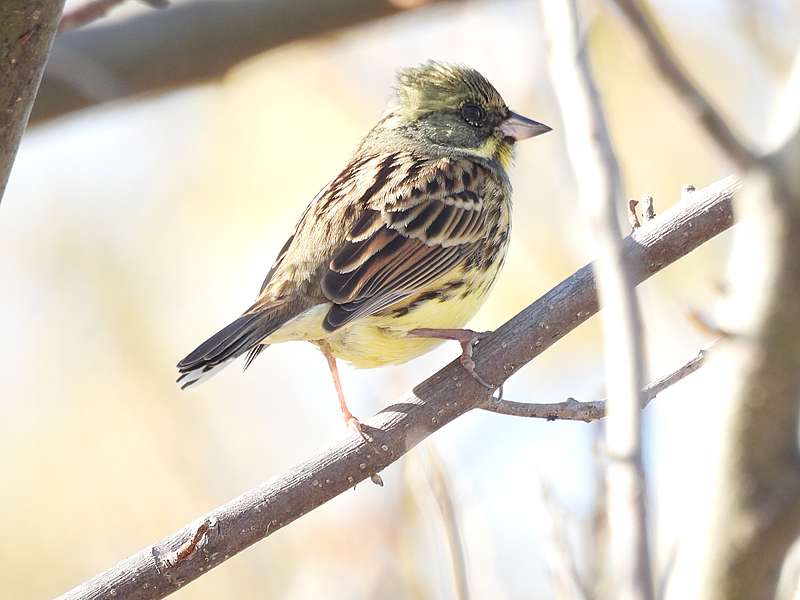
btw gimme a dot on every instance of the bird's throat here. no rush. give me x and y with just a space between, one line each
496 149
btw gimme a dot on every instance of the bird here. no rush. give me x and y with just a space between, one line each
399 250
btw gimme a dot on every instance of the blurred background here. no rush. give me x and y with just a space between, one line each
133 229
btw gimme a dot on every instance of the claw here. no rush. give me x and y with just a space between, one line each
469 364
467 338
355 425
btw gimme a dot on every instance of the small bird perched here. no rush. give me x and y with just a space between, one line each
398 251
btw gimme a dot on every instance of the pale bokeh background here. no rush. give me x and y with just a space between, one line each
131 232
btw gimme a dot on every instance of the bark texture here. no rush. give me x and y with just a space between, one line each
27 28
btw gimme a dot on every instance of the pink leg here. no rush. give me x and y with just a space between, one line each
349 419
465 337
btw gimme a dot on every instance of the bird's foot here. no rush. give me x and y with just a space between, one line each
467 338
353 424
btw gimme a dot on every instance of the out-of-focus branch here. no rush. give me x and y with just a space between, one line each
594 554
755 514
566 582
431 467
573 410
93 10
159 570
675 76
600 190
27 28
188 43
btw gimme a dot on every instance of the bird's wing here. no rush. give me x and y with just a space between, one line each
409 236
276 264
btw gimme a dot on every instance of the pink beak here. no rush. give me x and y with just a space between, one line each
519 128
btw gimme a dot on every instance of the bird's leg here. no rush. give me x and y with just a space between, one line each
466 337
349 419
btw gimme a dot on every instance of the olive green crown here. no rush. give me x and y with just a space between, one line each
435 86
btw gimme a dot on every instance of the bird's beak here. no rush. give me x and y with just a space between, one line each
519 128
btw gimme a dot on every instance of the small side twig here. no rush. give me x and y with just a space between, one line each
707 326
649 209
573 410
633 216
190 546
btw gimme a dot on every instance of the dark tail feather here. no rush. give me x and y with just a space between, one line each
216 352
251 356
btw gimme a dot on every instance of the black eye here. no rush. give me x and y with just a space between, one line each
473 114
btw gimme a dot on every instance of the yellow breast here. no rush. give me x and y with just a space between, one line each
382 339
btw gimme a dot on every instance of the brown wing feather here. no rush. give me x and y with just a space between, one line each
407 242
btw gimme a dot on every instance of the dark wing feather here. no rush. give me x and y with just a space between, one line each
398 248
388 226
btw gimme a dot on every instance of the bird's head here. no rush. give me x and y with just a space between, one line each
455 107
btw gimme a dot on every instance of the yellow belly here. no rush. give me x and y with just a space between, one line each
382 339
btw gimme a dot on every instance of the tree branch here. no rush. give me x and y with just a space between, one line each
27 28
754 513
670 69
565 578
755 510
432 470
435 402
185 44
573 410
93 10
600 190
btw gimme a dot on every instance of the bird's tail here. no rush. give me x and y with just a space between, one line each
210 357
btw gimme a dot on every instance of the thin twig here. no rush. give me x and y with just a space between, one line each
561 562
94 10
445 396
633 216
665 576
649 208
573 410
595 555
675 76
189 547
600 187
439 487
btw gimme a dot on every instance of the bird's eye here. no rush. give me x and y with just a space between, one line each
473 114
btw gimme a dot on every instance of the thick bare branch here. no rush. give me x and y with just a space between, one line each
185 44
600 190
573 410
675 76
27 28
229 529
